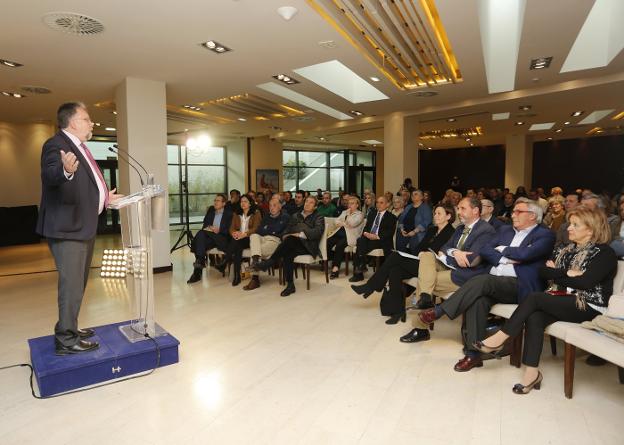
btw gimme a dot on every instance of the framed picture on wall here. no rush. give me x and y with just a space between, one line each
267 179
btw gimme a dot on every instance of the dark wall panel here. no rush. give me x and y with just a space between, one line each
475 166
596 163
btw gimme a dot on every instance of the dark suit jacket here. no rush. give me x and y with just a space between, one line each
532 254
69 208
478 238
226 219
313 226
496 223
386 229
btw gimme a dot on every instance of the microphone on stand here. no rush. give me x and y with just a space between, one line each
119 152
130 156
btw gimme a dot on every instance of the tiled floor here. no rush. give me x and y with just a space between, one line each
317 367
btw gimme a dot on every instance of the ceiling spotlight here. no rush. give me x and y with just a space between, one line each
558 130
540 63
110 129
519 123
468 139
97 124
566 123
451 119
114 112
215 46
428 148
356 113
374 79
15 95
242 119
192 107
577 113
285 79
471 144
10 64
287 12
549 139
524 107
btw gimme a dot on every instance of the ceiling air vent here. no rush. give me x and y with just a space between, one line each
73 23
36 90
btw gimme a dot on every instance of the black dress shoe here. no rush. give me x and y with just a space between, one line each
362 290
289 289
416 335
81 346
333 275
195 277
394 319
356 277
425 301
86 333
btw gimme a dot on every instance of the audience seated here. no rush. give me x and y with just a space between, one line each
301 237
289 204
398 205
348 227
399 267
487 210
234 203
571 202
556 213
505 212
516 254
326 207
617 233
268 235
215 232
459 261
582 273
262 203
369 204
413 223
244 223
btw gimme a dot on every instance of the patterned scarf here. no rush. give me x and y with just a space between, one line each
572 257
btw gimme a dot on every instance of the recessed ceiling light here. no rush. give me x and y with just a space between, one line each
428 148
97 124
524 107
566 123
215 46
558 130
468 139
500 116
471 144
356 113
595 116
10 64
577 113
15 95
114 112
451 119
374 79
549 138
321 138
242 119
542 126
519 123
372 142
186 129
286 79
540 63
287 12
192 107
110 129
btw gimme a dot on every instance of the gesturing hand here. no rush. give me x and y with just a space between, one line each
70 163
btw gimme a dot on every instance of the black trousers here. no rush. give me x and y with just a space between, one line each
393 271
338 240
475 298
73 260
291 247
234 252
203 241
363 246
537 312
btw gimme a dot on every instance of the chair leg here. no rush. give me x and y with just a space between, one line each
347 258
296 272
568 373
306 268
516 351
553 345
326 267
377 263
621 374
280 278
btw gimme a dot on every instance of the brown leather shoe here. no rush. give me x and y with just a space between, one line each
254 283
427 317
467 363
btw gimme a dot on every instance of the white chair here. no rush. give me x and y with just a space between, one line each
306 260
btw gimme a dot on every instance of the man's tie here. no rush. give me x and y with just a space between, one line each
375 227
462 238
97 170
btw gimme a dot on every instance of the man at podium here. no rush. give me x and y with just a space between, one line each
73 194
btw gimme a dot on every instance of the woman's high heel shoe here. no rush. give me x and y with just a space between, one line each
495 351
519 388
395 318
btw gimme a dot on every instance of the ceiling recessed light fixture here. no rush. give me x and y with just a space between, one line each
242 119
540 63
372 142
356 113
549 138
11 94
286 79
451 119
215 46
374 79
577 113
519 123
471 144
566 123
114 112
287 12
524 107
10 64
428 148
544 126
192 107
110 129
97 124
500 116
558 130
595 116
468 139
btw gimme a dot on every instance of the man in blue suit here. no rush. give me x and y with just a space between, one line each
516 255
458 261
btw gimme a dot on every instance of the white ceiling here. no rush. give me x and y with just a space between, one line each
159 40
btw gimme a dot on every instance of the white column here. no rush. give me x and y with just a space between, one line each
142 132
400 151
518 161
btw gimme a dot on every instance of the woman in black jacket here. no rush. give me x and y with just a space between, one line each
398 267
582 274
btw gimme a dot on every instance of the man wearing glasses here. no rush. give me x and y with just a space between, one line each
515 255
487 210
73 194
378 233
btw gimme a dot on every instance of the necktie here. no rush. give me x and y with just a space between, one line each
376 224
462 238
98 171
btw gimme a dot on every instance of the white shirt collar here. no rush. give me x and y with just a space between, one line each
527 230
77 142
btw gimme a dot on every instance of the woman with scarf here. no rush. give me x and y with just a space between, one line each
581 274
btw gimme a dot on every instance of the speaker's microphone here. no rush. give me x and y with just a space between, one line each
127 161
130 156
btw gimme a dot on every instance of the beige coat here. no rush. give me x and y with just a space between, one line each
354 223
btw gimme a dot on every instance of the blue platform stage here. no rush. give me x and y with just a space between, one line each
115 358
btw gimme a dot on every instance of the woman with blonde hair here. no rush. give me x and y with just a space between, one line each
349 226
398 205
581 274
556 213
